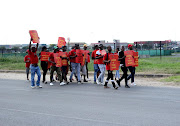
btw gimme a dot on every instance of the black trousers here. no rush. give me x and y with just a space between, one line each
124 76
44 66
110 76
87 69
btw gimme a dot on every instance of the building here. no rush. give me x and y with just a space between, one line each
114 45
71 44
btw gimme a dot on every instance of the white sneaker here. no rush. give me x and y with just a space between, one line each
101 83
62 83
79 82
39 86
134 84
98 82
32 87
88 79
51 84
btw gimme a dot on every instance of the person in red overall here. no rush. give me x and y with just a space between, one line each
28 62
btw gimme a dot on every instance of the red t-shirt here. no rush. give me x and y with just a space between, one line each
51 56
27 58
99 61
94 56
72 53
105 58
33 57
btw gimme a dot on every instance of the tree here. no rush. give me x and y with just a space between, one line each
51 46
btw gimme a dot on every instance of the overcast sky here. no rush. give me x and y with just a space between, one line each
89 20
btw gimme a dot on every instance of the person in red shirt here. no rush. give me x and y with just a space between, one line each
28 62
34 65
70 59
74 64
110 73
99 55
54 68
131 68
64 56
86 62
96 68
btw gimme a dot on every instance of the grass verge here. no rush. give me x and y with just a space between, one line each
175 79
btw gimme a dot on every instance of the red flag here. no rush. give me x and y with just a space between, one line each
34 36
129 60
136 59
57 59
44 56
61 42
64 61
114 64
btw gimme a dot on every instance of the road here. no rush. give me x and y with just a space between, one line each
87 105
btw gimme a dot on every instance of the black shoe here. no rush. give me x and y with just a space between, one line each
116 88
85 81
70 80
127 86
118 82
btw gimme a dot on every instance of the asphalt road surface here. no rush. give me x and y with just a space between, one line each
87 105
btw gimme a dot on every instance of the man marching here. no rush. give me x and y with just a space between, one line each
110 73
64 68
131 68
74 64
96 68
54 68
34 65
102 67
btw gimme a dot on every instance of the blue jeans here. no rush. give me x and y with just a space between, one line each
102 68
117 75
33 71
132 70
96 69
75 69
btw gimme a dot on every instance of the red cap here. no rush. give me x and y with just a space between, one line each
129 45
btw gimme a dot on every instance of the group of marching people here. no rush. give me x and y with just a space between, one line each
101 64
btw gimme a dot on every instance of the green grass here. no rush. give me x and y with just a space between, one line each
168 65
12 63
172 79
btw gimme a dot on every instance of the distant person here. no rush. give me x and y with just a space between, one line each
84 67
75 66
71 60
28 62
117 75
87 61
101 65
34 65
131 68
64 67
123 68
96 67
110 73
54 68
44 65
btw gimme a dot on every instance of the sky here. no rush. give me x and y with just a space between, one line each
89 20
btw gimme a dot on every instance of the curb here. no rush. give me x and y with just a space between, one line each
92 73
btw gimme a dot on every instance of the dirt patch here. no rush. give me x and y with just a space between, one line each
140 81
